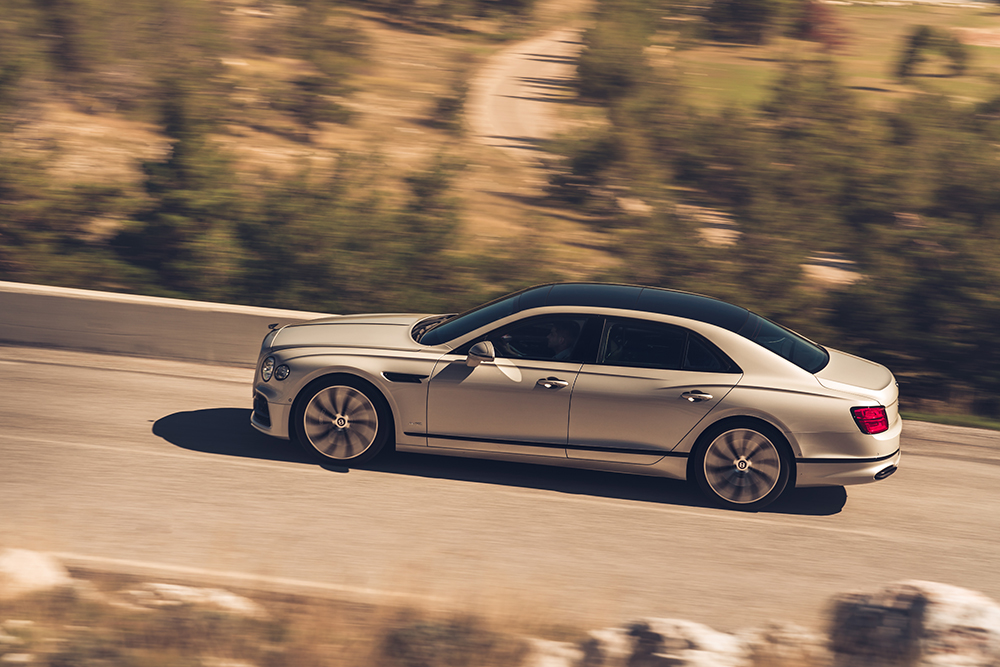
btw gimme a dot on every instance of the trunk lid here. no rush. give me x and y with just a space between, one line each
861 377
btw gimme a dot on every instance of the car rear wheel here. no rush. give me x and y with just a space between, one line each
742 466
342 420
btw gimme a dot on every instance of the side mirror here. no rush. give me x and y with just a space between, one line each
480 352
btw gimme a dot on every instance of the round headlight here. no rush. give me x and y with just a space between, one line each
281 372
267 368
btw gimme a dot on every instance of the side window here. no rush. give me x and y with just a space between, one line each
545 338
656 345
644 344
701 356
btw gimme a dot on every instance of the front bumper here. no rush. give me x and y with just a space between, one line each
841 472
270 417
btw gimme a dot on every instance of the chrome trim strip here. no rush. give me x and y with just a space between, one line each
871 460
518 443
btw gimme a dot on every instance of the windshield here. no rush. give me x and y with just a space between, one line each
468 321
785 343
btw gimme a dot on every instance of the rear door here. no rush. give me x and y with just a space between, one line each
652 384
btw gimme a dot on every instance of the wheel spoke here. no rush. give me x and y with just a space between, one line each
741 466
340 422
324 403
730 447
756 445
340 396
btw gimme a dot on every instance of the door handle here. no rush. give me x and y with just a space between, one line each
552 383
696 396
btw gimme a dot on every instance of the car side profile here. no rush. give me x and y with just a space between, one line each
621 378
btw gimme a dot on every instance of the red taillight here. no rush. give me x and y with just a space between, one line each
871 420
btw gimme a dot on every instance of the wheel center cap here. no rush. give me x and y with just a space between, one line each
742 464
340 421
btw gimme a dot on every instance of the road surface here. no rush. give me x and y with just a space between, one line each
120 462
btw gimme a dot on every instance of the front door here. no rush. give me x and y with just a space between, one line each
517 403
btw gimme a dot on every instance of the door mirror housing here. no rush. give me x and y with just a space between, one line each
480 352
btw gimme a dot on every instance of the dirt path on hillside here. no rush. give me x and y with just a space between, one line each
513 101
516 103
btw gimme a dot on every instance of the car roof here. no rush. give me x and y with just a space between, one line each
635 297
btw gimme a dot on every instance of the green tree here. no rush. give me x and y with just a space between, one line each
924 39
185 236
741 21
613 61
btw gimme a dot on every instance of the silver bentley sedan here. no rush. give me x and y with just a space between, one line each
611 377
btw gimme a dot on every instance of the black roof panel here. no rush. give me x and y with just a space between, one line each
587 294
693 306
636 297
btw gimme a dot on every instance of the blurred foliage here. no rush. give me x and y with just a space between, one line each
909 193
924 39
441 12
742 21
455 642
93 625
613 60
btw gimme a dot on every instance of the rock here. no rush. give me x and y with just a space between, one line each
23 572
916 624
684 643
659 642
785 645
606 648
546 653
166 595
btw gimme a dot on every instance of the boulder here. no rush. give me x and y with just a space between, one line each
547 653
786 645
23 572
152 595
663 642
916 624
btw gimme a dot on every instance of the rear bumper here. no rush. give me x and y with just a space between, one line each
841 472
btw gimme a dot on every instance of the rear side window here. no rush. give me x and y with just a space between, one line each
643 344
703 356
785 343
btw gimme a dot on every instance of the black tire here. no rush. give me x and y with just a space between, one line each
742 465
342 419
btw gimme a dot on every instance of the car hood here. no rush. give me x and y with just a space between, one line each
379 331
855 375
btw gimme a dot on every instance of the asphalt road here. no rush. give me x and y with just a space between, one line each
132 463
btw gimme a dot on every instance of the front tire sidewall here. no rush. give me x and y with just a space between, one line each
383 429
784 458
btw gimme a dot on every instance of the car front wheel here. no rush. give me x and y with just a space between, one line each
743 466
342 420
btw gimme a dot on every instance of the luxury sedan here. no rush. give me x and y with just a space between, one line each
622 378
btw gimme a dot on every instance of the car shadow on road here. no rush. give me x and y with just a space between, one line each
227 432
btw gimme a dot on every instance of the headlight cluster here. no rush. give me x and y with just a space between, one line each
267 369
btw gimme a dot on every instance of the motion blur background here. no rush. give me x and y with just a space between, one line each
830 165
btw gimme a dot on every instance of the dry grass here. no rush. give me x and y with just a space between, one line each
76 627
872 37
403 71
